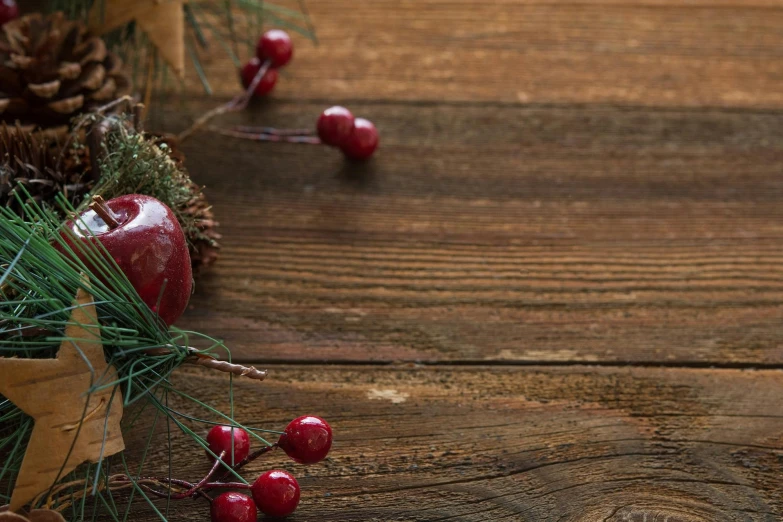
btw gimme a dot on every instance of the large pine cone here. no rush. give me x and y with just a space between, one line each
51 70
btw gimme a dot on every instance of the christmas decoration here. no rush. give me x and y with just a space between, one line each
127 170
233 507
84 423
233 442
50 70
276 493
144 238
75 164
307 439
357 138
95 355
93 206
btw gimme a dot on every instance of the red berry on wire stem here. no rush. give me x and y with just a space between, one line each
233 507
221 438
276 493
267 82
362 141
335 125
275 45
9 10
306 439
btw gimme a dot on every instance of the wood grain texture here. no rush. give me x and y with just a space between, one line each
536 444
484 232
654 53
560 185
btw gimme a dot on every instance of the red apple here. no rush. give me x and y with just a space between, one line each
145 240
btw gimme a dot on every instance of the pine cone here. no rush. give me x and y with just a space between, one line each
30 159
51 70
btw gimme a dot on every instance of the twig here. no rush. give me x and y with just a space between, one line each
247 460
236 104
200 359
224 366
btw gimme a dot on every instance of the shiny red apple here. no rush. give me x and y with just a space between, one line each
145 239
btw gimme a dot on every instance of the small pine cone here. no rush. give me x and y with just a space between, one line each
204 247
51 70
35 161
204 250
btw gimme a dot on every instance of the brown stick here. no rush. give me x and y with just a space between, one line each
224 366
100 207
207 361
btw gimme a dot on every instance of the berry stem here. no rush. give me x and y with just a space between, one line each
193 490
308 140
272 130
236 104
244 98
100 207
247 460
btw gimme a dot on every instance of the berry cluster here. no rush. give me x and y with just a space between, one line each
306 440
356 137
273 51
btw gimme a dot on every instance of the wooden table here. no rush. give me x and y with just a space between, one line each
556 294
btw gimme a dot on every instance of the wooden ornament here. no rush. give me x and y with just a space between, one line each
71 427
162 20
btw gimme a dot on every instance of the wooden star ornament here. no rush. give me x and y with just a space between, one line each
162 20
71 426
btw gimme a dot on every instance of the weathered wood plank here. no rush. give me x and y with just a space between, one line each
481 444
656 53
489 232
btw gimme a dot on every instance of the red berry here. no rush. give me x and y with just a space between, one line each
220 439
307 439
275 45
8 11
267 82
276 493
233 507
334 125
362 141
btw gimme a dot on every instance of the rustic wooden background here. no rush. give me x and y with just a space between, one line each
556 294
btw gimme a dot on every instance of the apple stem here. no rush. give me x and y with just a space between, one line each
100 207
